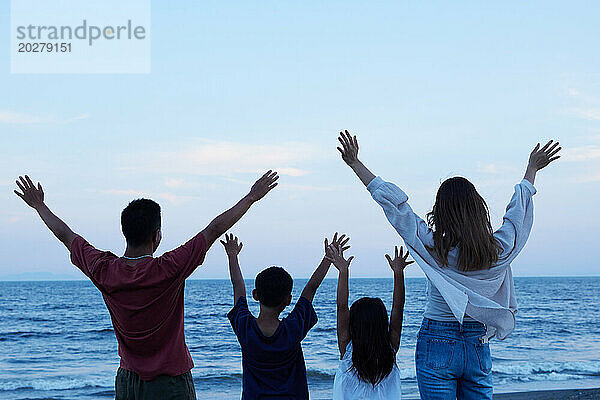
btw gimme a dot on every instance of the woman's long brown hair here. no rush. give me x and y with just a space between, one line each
460 217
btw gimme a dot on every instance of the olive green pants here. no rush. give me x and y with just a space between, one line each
129 386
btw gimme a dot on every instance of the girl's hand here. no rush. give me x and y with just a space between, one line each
349 148
399 262
540 158
337 242
232 248
335 254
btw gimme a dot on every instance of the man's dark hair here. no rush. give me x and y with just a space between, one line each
139 221
273 285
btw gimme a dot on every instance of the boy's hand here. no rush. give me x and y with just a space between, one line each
539 158
263 186
336 256
338 242
349 148
399 262
232 248
34 197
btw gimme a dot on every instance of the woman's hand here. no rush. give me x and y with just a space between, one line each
399 262
349 149
232 248
540 158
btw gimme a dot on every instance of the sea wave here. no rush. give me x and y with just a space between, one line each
52 383
548 370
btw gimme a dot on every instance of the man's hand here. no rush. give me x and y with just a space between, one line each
34 197
540 158
399 262
335 255
263 186
349 148
232 248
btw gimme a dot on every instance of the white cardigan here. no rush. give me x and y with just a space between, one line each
487 296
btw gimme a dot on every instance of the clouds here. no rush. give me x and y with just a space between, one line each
581 153
17 118
589 106
587 113
136 194
226 158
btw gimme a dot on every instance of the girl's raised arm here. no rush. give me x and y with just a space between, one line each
335 255
397 264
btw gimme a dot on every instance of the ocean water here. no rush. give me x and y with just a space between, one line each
57 341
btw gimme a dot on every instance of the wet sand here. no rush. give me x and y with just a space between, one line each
568 394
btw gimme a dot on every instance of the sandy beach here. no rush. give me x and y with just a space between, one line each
566 394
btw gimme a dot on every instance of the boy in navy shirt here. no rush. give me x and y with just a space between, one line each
272 359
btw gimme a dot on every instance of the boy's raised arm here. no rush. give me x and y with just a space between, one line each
34 197
232 248
343 312
226 220
317 277
349 151
397 264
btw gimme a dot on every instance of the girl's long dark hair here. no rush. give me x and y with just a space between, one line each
460 217
373 356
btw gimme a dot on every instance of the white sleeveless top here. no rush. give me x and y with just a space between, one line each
347 386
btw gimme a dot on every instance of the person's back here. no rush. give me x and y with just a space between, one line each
272 358
347 385
367 340
273 365
145 301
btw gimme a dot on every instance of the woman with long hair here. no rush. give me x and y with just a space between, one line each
470 289
367 341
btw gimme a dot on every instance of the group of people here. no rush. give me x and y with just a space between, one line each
470 294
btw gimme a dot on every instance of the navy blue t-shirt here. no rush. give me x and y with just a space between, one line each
273 366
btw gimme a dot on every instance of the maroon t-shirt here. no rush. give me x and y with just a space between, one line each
145 302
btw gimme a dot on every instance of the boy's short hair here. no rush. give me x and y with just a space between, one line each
139 221
273 285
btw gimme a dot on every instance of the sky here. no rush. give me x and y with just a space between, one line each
431 89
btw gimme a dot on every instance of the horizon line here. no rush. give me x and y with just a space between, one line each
300 278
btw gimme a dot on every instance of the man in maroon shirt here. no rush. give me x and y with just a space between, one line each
144 294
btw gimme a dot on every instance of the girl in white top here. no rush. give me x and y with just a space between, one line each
368 343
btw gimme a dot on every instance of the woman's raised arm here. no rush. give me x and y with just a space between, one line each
349 151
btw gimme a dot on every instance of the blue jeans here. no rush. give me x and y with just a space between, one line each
452 363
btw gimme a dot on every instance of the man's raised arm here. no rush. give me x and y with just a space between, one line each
226 220
34 197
